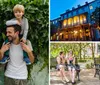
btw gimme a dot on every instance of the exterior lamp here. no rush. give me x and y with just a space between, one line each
56 33
87 30
75 32
98 27
78 21
60 33
84 19
71 31
64 24
80 30
91 7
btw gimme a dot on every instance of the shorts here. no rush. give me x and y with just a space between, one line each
11 81
60 66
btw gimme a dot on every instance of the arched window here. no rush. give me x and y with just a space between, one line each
76 20
64 23
70 21
82 19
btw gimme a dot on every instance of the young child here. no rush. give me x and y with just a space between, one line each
20 20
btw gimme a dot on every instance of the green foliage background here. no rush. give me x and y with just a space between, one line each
77 48
37 13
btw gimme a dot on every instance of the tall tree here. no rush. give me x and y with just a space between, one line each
92 46
95 17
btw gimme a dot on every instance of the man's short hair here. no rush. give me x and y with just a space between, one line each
61 52
16 27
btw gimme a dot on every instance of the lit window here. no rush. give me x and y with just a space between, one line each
70 21
64 22
56 21
76 19
91 7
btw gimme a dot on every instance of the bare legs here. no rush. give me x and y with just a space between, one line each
72 74
62 73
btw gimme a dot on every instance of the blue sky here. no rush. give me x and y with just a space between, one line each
58 7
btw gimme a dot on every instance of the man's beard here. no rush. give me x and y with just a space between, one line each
11 39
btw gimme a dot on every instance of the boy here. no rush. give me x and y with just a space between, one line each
20 20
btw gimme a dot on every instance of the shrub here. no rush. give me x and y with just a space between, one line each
82 60
88 66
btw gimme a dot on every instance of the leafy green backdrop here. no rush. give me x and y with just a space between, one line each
79 49
37 13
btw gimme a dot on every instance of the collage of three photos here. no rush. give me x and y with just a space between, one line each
49 42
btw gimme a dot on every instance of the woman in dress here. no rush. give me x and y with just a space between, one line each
61 66
71 66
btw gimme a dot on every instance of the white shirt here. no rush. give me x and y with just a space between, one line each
16 67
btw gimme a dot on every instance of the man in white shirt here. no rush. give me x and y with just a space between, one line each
16 72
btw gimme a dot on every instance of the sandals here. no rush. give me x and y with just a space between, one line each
63 81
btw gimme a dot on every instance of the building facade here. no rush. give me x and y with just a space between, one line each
75 24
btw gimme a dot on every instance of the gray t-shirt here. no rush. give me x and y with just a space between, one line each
16 67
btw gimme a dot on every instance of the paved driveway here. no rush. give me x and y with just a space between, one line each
86 78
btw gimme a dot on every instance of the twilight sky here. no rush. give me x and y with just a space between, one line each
58 7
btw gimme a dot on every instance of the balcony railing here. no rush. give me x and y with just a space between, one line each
76 24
